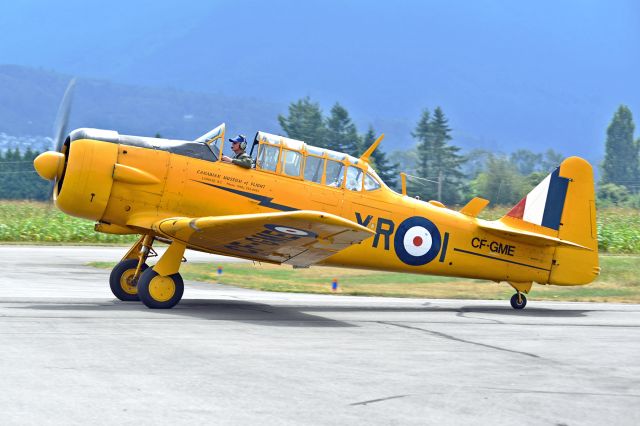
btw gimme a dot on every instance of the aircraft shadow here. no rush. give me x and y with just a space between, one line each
283 316
506 310
206 309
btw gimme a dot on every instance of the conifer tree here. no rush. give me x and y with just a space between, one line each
438 160
305 122
424 166
19 179
620 165
342 134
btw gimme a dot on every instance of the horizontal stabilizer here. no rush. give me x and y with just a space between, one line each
527 237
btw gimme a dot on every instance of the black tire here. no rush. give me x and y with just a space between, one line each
119 287
158 292
518 305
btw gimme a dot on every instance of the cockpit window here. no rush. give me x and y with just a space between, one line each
313 169
291 161
268 157
213 140
335 173
370 183
354 179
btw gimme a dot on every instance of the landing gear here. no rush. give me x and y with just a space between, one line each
125 275
518 301
123 280
160 287
158 292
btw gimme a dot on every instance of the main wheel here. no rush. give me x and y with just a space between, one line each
518 301
158 292
121 280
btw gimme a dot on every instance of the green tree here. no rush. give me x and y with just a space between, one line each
439 162
386 170
19 179
525 161
620 165
610 193
500 182
550 160
424 168
342 134
305 122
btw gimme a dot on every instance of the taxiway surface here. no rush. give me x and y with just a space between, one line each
72 354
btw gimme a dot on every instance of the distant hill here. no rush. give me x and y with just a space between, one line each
509 75
31 96
30 99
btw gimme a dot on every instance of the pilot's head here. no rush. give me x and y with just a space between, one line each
238 144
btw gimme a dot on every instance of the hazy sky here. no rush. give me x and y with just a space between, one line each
507 73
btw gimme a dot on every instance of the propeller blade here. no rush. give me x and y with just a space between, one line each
62 119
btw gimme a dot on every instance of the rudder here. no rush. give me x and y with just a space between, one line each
573 266
563 206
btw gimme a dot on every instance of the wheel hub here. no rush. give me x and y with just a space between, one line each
128 282
162 288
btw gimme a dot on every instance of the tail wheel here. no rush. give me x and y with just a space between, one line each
518 301
121 281
158 292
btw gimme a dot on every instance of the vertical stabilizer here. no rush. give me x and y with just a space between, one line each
563 206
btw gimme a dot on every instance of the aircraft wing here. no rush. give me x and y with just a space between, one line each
299 238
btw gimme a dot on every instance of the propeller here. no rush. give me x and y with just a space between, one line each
50 164
62 119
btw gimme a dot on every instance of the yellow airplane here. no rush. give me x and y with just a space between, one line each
301 205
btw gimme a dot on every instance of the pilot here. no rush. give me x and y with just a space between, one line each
238 145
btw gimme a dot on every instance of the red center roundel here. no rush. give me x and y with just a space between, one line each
417 241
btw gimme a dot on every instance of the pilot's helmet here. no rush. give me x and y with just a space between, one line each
241 140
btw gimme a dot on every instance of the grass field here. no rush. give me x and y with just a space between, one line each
619 282
32 222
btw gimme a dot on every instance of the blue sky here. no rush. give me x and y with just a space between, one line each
533 74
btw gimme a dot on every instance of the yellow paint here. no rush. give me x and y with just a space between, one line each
134 251
169 262
474 207
571 266
205 204
369 151
162 288
49 165
87 180
127 174
521 287
109 228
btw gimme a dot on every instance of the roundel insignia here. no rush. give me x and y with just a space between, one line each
417 241
290 231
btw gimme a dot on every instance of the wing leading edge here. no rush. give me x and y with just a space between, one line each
299 238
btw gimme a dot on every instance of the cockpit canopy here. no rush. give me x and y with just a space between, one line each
294 158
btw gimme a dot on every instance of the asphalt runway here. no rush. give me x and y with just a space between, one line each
72 354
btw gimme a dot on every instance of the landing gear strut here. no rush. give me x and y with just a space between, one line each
125 275
518 301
